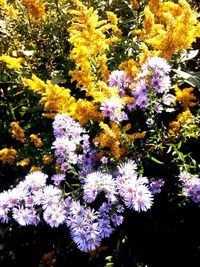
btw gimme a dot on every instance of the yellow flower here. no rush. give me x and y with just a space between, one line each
169 26
23 162
8 155
35 8
88 35
182 119
47 159
35 169
36 140
12 62
186 97
11 11
17 131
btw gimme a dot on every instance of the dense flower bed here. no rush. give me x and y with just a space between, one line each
100 113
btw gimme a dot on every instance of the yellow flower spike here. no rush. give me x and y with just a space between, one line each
23 162
186 97
112 17
36 8
17 131
35 168
8 155
12 62
169 26
36 140
47 159
88 35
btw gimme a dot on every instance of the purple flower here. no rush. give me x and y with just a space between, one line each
155 185
97 182
58 178
25 216
112 108
119 79
54 216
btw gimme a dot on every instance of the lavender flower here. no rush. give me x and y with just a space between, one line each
119 79
112 108
191 185
155 185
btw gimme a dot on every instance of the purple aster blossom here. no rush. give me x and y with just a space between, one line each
105 228
58 178
141 87
138 198
155 185
158 108
104 160
112 108
55 216
97 182
157 63
4 215
119 79
142 101
150 122
127 168
64 125
191 186
35 180
120 208
25 216
133 188
117 219
51 196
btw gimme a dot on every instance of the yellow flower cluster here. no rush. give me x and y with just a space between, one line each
186 97
56 99
182 119
111 138
36 140
23 162
115 139
2 2
17 131
8 155
12 62
47 159
36 8
89 40
169 26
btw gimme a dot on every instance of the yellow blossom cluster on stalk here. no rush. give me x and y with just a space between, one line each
8 155
169 26
185 97
182 119
36 140
17 131
23 162
12 62
56 99
88 35
36 9
116 139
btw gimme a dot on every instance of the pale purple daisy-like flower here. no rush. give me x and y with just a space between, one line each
35 180
191 185
25 216
154 63
64 125
119 79
117 219
158 108
112 108
155 185
97 182
58 178
55 216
